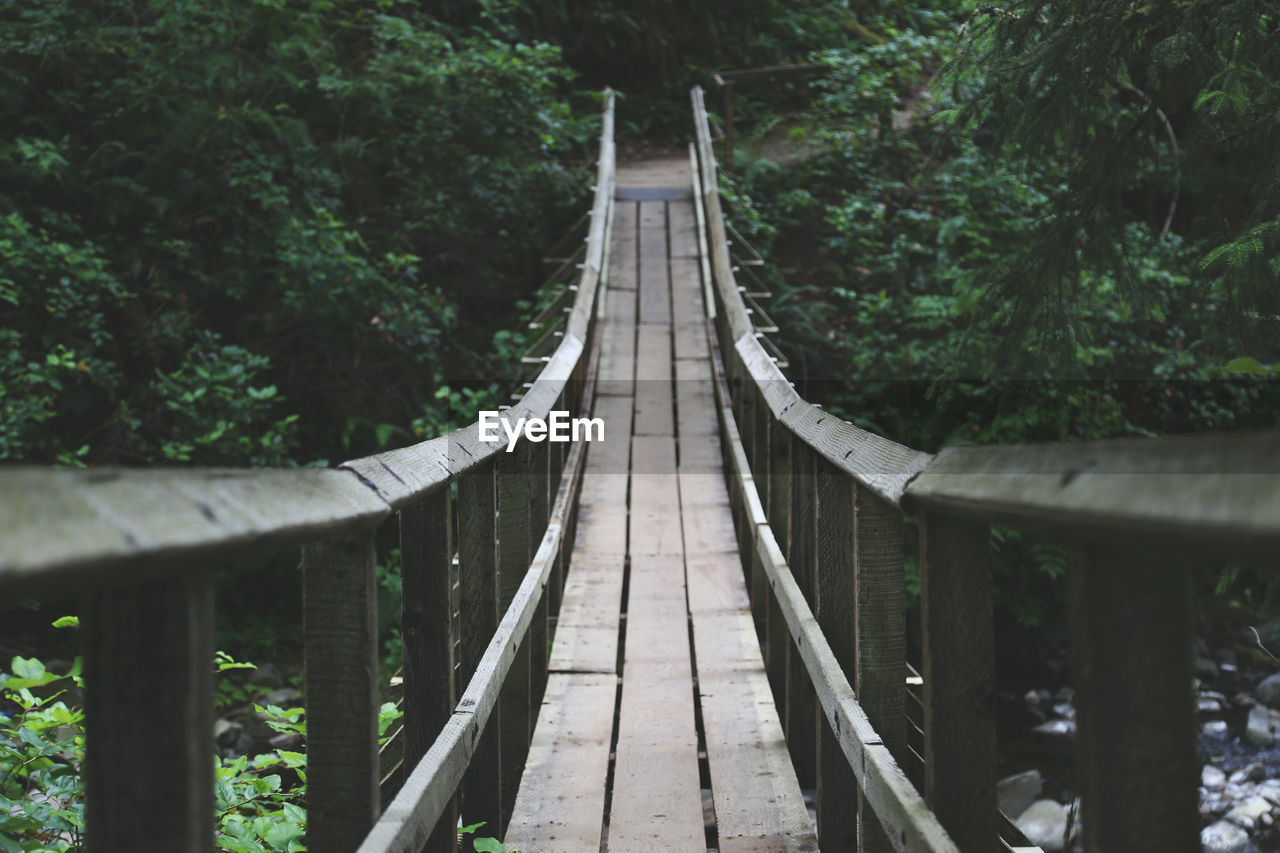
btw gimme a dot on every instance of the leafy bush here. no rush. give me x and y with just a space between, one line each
259 799
226 232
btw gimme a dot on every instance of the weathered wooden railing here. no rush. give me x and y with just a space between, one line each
819 505
142 546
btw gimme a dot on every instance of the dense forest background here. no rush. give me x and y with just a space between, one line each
291 232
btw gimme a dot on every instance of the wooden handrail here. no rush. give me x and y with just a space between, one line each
819 506
142 545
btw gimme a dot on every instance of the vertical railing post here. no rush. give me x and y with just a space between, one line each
801 740
149 711
515 487
834 608
539 511
426 561
1135 706
776 467
880 645
959 678
478 620
340 628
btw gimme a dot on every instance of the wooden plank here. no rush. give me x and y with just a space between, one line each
696 407
655 285
758 801
148 667
82 528
478 619
587 634
686 295
622 274
656 803
654 414
683 229
880 646
959 678
653 353
618 347
1218 491
655 497
1131 618
601 529
426 622
340 671
834 608
612 455
708 529
701 470
716 583
560 808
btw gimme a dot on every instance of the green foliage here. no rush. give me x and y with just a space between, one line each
963 285
259 800
226 233
1162 114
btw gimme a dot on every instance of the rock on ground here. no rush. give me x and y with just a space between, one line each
1223 837
1044 824
1016 793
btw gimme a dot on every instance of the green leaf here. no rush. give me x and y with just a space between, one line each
488 845
67 622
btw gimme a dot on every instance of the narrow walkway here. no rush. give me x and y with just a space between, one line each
684 751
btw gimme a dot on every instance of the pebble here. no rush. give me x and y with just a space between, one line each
1212 777
1246 813
1216 729
1262 726
1268 691
1057 728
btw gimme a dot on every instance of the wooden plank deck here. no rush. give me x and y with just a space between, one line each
617 769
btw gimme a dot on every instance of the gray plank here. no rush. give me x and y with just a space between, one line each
560 807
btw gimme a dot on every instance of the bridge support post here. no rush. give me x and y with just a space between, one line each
959 678
834 609
478 620
148 673
426 561
515 481
801 702
340 629
1135 705
879 601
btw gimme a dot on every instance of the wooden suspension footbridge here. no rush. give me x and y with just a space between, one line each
661 640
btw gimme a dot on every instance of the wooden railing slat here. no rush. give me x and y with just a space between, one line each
959 678
340 632
1220 490
149 711
115 526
